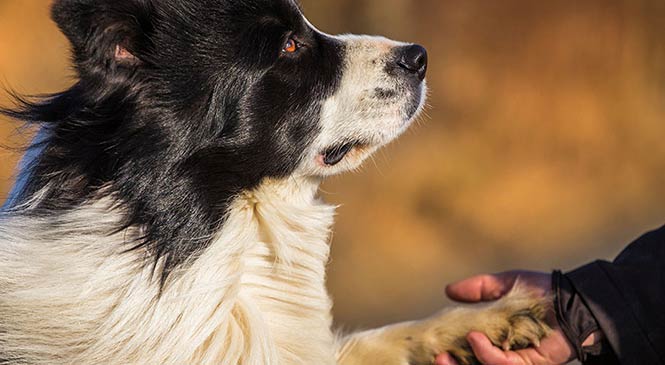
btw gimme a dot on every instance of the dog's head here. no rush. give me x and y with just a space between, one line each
183 104
253 76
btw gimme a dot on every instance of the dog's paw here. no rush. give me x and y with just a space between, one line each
512 323
526 328
517 321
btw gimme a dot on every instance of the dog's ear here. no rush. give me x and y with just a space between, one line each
105 32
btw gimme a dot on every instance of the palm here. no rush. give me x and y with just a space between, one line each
554 350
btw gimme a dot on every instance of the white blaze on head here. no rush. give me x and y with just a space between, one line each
374 104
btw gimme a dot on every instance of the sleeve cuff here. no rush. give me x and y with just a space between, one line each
574 316
610 308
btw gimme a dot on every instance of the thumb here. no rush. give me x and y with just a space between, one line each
482 288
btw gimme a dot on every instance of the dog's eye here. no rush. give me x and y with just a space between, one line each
291 46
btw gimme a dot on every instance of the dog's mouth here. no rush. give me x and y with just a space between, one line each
336 153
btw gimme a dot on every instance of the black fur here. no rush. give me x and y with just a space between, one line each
207 106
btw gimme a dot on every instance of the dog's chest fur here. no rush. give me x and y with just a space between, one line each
255 296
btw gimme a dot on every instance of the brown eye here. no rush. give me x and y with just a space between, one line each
291 46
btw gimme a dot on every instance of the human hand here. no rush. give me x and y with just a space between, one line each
553 350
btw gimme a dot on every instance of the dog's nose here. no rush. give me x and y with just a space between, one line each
413 59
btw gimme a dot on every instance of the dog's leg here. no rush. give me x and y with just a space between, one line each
517 321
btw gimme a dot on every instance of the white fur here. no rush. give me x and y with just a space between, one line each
70 294
355 113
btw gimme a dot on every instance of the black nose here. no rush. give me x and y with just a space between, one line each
413 58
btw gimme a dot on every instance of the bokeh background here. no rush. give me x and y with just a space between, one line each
543 146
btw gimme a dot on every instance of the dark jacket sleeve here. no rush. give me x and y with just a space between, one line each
627 299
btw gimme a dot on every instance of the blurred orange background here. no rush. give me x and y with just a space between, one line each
543 146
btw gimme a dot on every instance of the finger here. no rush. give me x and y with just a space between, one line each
488 354
482 288
445 359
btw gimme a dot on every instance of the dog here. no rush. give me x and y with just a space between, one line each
170 213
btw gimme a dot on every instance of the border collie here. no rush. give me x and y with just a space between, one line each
171 215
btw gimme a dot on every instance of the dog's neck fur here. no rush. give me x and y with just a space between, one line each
255 296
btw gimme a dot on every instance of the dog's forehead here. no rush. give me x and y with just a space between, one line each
286 11
295 4
289 6
292 6
298 6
